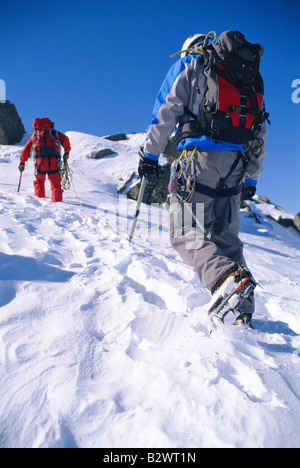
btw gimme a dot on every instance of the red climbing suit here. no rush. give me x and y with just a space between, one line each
45 143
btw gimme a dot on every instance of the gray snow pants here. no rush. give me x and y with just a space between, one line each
219 248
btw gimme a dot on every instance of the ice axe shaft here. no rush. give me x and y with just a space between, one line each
137 208
20 180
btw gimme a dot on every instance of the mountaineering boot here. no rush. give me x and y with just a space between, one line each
244 321
56 190
226 299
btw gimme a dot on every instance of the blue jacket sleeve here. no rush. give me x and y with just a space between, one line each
169 107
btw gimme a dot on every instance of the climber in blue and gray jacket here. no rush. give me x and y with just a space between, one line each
213 98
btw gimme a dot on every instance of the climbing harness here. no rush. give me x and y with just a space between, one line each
222 190
183 183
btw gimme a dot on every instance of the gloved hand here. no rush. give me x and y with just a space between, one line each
248 192
147 167
65 158
21 167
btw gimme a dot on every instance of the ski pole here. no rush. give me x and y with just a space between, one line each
137 209
19 186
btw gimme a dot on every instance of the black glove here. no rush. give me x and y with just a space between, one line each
21 167
65 158
147 167
248 192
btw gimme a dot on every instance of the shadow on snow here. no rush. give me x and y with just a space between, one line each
19 268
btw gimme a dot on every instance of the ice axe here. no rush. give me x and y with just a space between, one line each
20 180
137 208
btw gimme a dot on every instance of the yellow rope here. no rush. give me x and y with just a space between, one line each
185 156
106 227
65 174
211 33
199 50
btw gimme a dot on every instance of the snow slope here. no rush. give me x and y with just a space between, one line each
105 343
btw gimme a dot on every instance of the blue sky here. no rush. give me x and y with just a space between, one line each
96 66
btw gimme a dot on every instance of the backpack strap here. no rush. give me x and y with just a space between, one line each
196 89
54 138
47 152
190 113
36 138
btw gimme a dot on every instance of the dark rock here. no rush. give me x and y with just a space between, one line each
102 153
245 206
263 199
154 193
256 217
286 222
123 188
297 221
11 126
117 137
158 193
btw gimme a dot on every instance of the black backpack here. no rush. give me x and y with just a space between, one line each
232 108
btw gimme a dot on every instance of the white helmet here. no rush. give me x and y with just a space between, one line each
196 44
191 43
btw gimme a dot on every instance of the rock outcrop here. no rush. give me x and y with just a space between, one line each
159 192
11 126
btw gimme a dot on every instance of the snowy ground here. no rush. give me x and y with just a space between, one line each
105 343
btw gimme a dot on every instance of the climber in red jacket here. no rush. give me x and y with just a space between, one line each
46 144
